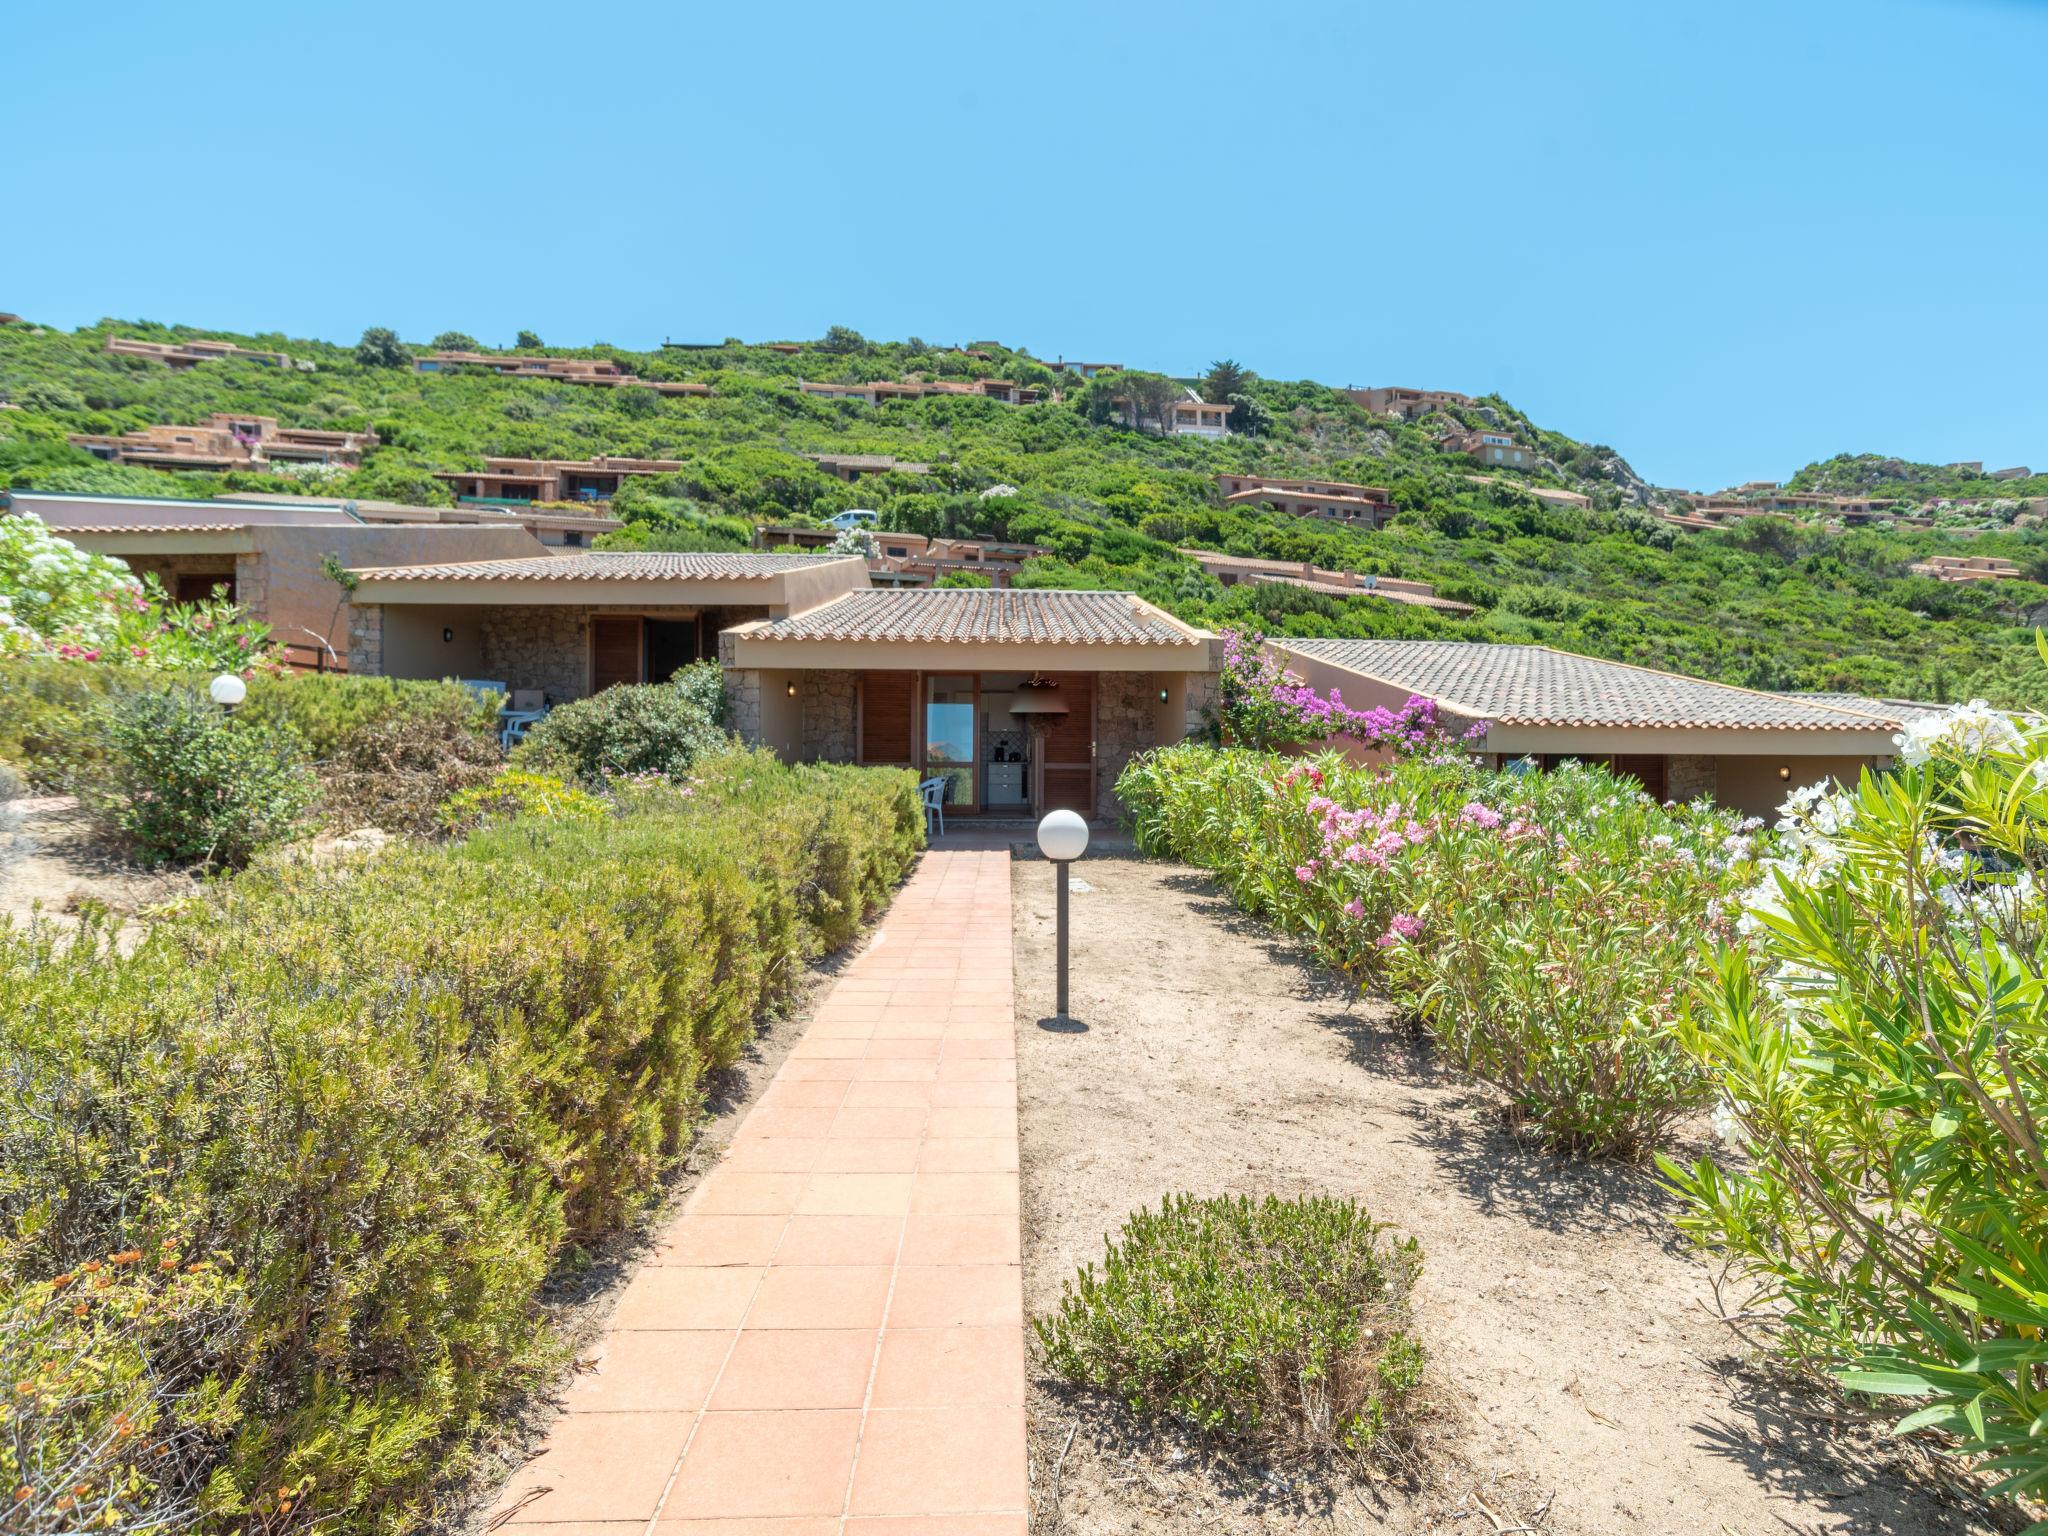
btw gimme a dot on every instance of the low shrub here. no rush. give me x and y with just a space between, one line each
1279 1324
180 781
647 728
513 793
1884 1070
45 710
393 1095
324 709
396 773
1544 928
388 751
114 1396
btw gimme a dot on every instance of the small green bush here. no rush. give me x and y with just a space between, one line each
644 728
1279 1324
182 782
324 710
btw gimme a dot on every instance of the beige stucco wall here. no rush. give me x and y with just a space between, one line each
1750 784
299 596
420 643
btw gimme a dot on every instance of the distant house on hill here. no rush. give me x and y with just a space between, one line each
880 391
1488 445
180 355
1190 416
228 440
599 371
516 481
1545 493
851 466
1408 404
1370 506
2017 472
1967 568
1084 370
1242 570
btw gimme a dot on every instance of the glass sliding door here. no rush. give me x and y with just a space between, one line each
951 713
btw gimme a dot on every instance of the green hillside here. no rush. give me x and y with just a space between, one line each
1767 604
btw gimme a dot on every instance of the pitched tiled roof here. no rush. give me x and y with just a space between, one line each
1030 617
1885 709
601 566
1534 685
64 530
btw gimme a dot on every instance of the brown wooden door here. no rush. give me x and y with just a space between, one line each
614 652
888 703
1066 772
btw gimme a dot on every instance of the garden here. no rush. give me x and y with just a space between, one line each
1594 1032
289 1163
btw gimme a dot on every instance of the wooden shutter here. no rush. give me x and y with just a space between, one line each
1648 771
614 652
887 702
1068 761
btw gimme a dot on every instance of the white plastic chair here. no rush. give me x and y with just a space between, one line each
933 793
522 711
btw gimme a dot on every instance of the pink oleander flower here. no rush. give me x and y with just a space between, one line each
1355 909
1401 927
1305 872
1475 814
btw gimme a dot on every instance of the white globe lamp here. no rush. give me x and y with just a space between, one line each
1062 838
227 690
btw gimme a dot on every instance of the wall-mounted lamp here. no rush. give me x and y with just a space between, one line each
1784 770
1162 695
790 687
447 637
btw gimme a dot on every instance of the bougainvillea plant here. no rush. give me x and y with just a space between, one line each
1264 706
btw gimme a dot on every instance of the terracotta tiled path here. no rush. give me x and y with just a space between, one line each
831 1338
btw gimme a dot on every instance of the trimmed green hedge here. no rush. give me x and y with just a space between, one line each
391 1096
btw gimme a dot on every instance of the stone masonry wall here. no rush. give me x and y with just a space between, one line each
742 699
830 714
1204 693
539 647
366 639
1688 776
1126 715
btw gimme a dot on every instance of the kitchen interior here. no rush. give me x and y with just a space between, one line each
981 739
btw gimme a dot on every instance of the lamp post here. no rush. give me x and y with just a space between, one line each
227 690
1062 838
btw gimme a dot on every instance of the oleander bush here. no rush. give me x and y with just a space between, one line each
1880 1050
1543 928
658 728
180 781
1277 1325
389 1097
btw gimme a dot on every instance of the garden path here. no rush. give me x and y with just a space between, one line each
829 1340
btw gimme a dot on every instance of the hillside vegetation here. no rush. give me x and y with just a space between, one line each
1765 604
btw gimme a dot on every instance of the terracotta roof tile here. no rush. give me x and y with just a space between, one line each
604 566
980 615
1534 685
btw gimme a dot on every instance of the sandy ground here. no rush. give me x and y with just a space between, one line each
50 858
1592 1390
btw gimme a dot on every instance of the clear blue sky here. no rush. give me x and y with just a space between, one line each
1724 239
